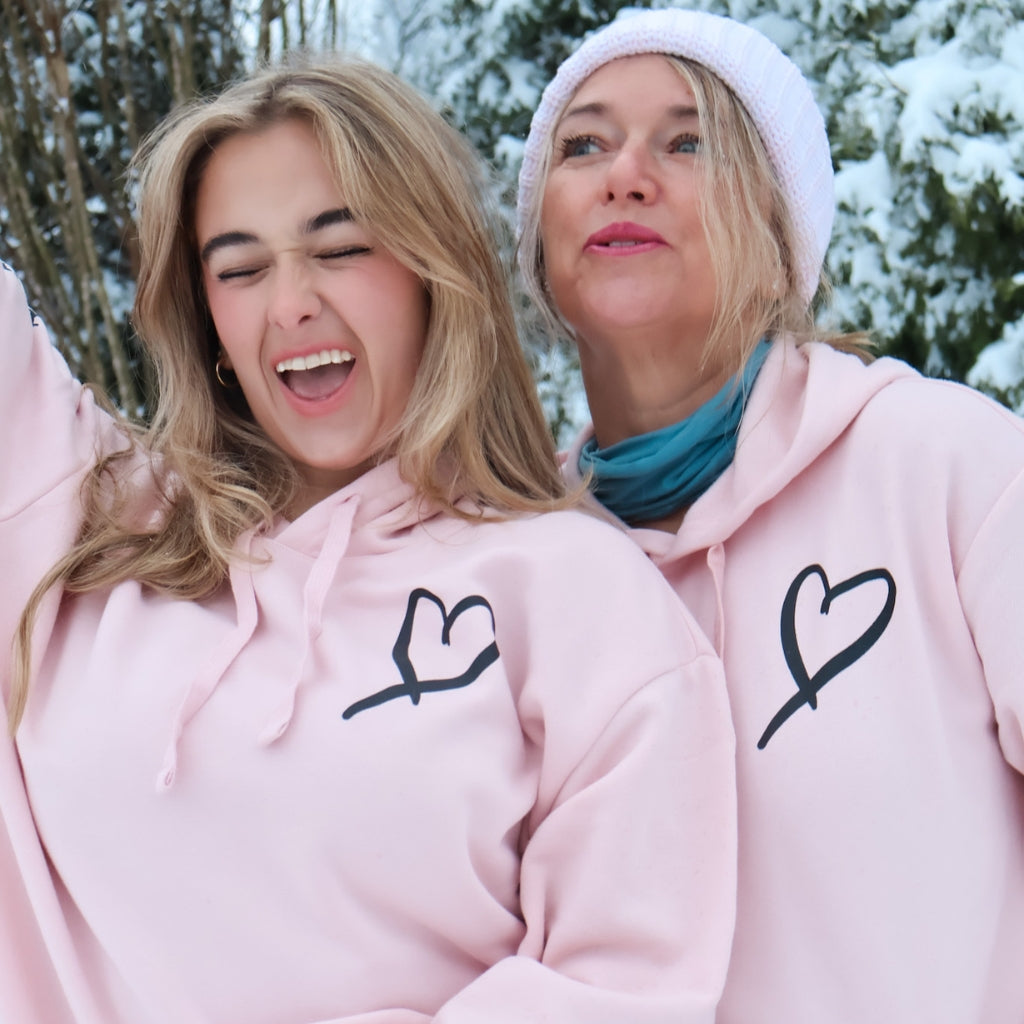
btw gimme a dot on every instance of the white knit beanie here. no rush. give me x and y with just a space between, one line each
767 83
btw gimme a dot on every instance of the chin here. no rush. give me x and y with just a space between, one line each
599 322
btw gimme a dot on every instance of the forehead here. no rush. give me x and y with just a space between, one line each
265 180
649 79
291 144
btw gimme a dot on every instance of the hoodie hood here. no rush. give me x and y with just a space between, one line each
804 398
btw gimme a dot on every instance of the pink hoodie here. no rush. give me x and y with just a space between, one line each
860 567
402 769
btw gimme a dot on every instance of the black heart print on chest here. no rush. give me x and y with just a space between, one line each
475 658
808 686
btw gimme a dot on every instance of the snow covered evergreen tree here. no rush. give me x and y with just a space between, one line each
925 108
924 101
80 83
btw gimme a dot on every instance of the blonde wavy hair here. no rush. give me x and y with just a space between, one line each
751 236
473 428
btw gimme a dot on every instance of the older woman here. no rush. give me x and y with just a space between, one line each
308 721
848 532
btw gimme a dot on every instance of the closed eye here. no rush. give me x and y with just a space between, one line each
344 252
239 273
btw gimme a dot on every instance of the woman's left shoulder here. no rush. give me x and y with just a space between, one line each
581 560
951 416
567 535
935 399
927 430
899 397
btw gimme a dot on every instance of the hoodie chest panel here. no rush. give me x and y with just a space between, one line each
841 611
406 807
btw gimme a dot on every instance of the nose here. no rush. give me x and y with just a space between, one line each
631 175
293 298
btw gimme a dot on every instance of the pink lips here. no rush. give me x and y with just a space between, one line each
624 239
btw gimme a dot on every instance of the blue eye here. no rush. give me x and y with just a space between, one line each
578 145
686 144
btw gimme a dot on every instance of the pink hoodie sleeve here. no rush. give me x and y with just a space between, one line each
29 988
991 584
628 880
49 431
47 420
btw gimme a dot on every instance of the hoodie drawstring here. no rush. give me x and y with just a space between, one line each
206 680
314 594
716 565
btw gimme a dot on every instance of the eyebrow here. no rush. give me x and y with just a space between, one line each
229 238
327 219
678 112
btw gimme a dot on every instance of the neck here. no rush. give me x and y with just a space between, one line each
650 478
634 389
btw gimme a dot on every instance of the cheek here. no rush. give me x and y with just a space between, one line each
556 228
233 321
551 217
412 362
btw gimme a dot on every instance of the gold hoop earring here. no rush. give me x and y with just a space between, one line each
218 371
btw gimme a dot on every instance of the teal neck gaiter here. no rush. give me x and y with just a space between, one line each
647 477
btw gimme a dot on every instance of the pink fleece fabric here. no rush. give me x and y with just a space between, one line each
402 769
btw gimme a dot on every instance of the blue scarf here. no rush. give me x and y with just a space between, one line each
652 475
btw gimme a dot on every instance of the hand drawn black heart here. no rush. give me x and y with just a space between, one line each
412 686
808 686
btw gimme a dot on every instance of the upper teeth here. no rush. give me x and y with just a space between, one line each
625 241
311 362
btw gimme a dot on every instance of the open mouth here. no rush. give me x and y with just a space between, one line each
318 375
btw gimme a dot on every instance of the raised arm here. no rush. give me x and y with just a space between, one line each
51 432
47 420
